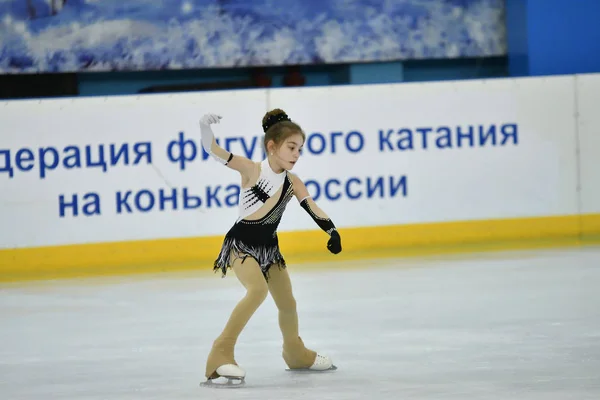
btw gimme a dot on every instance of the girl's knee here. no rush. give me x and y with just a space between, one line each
285 303
258 291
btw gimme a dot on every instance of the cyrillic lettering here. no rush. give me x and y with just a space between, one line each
176 151
424 132
90 207
212 196
469 135
352 188
93 205
232 196
190 202
22 157
483 136
122 202
384 139
229 140
465 137
101 162
349 193
333 136
401 184
139 200
406 139
142 150
445 140
509 130
163 198
7 165
44 162
327 190
72 160
361 142
249 152
62 205
310 145
115 156
379 185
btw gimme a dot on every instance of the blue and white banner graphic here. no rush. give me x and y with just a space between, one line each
108 35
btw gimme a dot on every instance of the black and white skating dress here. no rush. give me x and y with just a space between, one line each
258 238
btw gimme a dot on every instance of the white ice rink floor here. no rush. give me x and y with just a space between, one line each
503 326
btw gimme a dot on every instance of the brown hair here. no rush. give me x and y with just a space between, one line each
278 127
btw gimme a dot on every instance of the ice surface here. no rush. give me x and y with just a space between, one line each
503 326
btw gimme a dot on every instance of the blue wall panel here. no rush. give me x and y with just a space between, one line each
548 37
564 36
516 37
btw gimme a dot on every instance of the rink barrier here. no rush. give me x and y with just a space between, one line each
590 225
120 185
301 248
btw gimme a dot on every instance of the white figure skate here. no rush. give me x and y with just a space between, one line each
234 375
321 364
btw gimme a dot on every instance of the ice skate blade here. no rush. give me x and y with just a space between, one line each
218 383
311 371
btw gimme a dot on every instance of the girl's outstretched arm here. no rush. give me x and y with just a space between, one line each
319 216
239 163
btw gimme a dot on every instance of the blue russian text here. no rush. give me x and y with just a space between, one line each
318 143
146 200
48 159
355 188
445 137
90 204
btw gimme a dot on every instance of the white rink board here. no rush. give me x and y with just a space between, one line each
535 177
588 91
30 203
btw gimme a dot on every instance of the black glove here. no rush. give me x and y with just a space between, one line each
334 244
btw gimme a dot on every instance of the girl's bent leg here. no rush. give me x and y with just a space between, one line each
250 275
295 354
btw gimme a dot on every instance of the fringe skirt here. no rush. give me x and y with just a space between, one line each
250 240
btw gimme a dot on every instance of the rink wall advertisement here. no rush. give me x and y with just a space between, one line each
90 184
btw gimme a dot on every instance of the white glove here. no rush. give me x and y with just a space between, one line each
206 134
208 119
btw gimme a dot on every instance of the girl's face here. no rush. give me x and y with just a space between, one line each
289 152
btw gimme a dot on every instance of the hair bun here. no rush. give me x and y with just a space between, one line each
274 117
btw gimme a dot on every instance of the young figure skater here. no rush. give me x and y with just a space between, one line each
251 246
